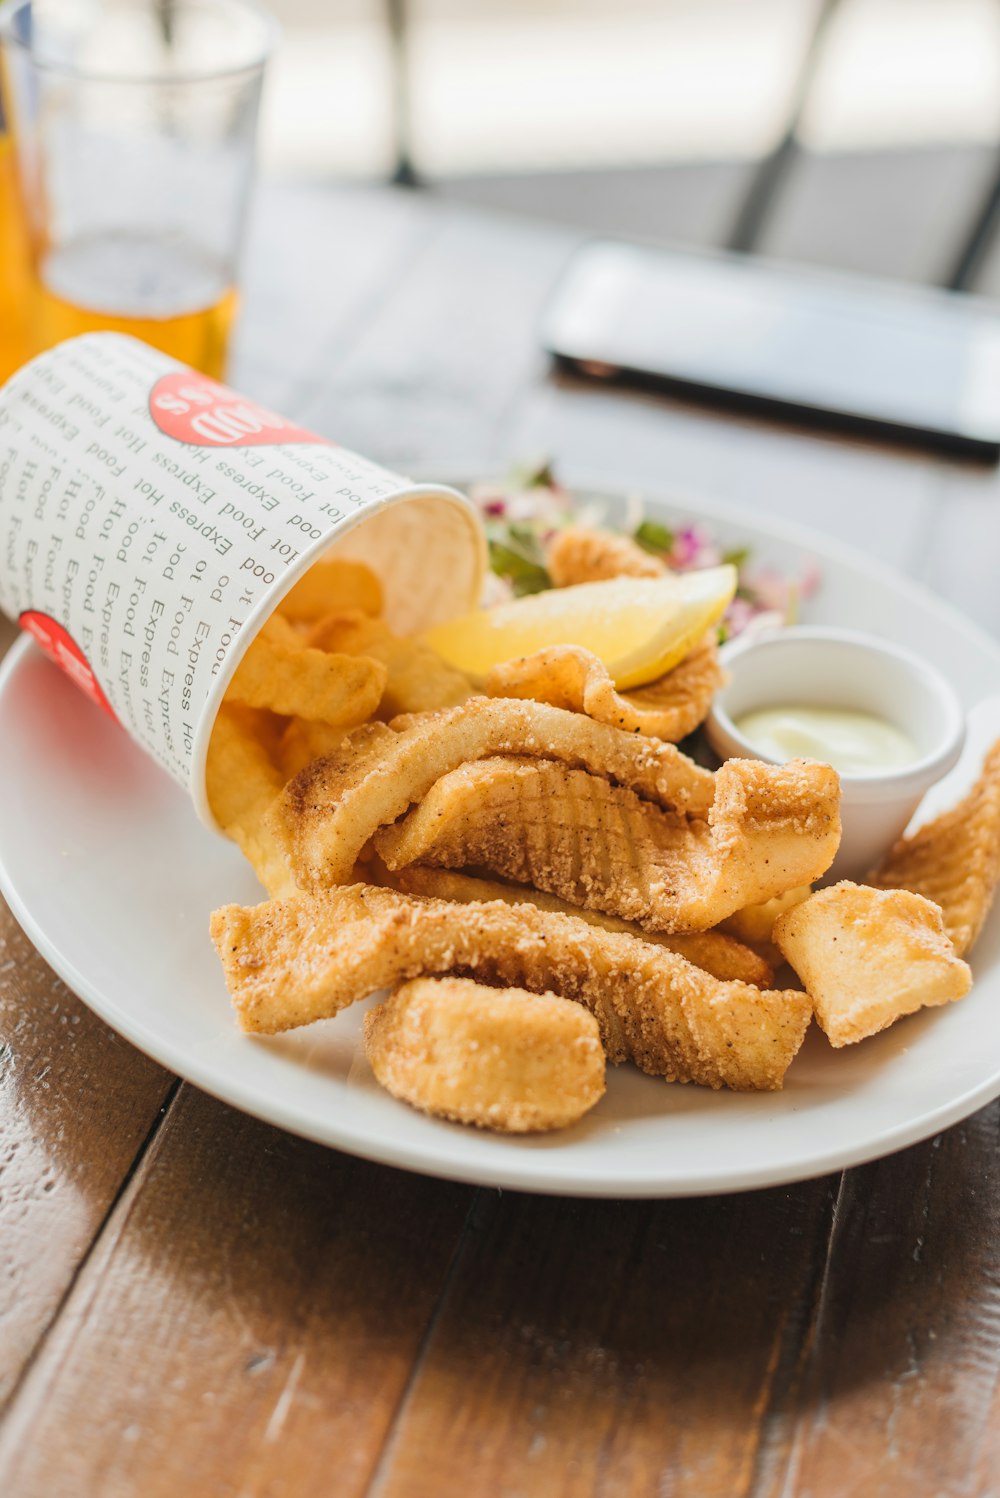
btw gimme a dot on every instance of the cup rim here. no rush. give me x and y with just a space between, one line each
874 783
271 33
270 601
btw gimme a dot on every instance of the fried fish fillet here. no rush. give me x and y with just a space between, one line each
289 962
869 956
770 827
721 955
499 1058
417 679
955 860
571 677
328 812
581 555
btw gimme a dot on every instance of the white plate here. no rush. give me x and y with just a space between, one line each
109 872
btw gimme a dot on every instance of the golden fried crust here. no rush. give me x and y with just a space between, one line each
581 555
955 860
721 955
332 582
329 811
571 834
417 679
241 782
869 956
500 1058
280 673
290 962
568 676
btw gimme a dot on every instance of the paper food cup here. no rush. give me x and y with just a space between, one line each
152 520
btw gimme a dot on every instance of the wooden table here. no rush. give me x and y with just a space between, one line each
194 1303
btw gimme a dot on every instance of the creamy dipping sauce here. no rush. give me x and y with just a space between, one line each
855 743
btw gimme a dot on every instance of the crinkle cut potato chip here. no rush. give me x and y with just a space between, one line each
955 860
289 962
241 782
332 583
770 828
567 676
499 1058
417 679
869 956
715 952
281 673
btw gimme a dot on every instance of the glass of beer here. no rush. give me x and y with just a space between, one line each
133 126
15 275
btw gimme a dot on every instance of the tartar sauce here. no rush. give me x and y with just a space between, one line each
855 743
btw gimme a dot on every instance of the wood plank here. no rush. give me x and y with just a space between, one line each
444 355
76 1104
899 1390
611 1349
317 261
958 558
247 1324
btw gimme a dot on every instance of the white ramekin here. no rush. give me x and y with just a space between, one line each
823 667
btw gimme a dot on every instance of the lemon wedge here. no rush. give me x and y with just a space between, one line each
639 627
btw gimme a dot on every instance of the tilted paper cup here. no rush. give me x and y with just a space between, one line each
152 520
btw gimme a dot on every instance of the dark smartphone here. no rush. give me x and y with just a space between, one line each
913 364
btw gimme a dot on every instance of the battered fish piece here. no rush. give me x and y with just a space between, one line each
499 1058
955 860
417 679
869 956
770 827
722 956
568 676
581 555
290 962
328 812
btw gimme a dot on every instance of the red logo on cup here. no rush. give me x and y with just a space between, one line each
192 408
63 649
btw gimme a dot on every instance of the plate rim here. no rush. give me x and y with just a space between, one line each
672 1184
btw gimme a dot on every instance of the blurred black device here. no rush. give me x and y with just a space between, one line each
912 364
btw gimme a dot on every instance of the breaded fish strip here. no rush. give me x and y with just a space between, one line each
722 956
290 962
955 860
869 956
571 677
581 555
499 1058
417 679
330 810
771 827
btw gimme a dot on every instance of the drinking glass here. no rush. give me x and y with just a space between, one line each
133 126
15 280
